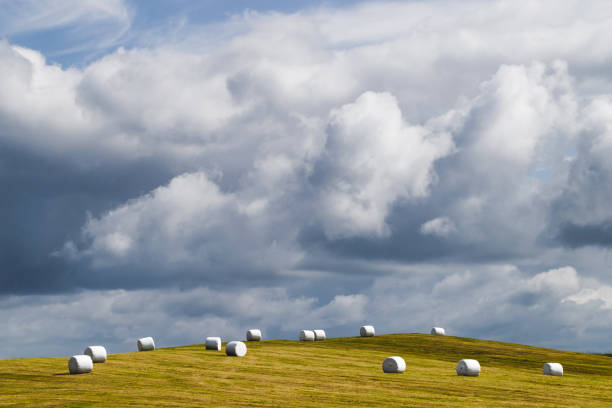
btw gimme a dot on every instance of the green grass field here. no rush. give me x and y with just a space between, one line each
335 372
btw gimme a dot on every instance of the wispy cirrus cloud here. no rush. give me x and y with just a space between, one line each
71 26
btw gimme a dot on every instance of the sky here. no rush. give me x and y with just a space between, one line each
182 169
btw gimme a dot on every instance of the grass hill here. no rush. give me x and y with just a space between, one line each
336 372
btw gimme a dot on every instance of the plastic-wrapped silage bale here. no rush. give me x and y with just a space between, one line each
236 349
555 369
307 335
367 331
253 335
438 331
213 343
97 353
319 334
394 364
146 344
468 367
80 364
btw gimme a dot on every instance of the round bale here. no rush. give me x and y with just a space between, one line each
553 369
213 343
146 344
468 367
367 331
80 364
319 335
439 331
97 353
236 349
394 364
307 335
253 335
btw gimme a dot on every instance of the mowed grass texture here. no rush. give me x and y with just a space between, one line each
332 373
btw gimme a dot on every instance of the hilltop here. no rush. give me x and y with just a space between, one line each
334 372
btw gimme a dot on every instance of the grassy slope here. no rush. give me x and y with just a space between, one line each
336 372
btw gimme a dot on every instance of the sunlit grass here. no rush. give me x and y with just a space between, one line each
335 372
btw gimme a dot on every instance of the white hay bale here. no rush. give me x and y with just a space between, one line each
146 344
236 349
213 343
367 331
253 335
80 364
394 364
468 367
319 335
97 353
438 331
553 369
307 335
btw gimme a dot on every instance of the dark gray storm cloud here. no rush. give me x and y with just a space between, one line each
45 202
576 236
312 169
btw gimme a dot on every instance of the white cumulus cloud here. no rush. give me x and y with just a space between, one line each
372 158
441 226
